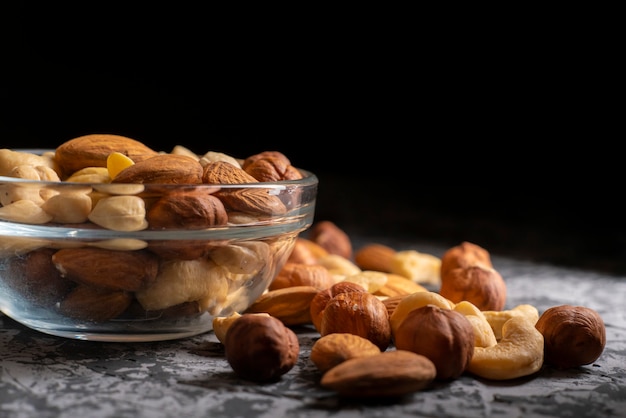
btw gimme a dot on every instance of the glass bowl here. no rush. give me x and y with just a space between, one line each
132 271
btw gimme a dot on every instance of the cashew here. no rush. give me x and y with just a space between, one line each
10 193
414 301
182 281
246 258
212 156
519 352
419 267
38 172
122 189
120 244
10 159
90 175
497 318
339 266
120 213
371 280
181 150
68 207
483 333
24 211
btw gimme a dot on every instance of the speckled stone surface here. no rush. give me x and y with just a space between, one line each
45 376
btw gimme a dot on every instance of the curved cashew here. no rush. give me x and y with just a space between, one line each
497 318
339 266
483 333
372 281
419 267
182 281
519 352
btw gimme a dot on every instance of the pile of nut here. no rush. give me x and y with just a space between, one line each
382 333
116 183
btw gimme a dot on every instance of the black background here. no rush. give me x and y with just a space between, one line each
497 133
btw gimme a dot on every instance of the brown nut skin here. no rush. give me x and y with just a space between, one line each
300 274
260 348
573 335
319 301
34 277
358 313
333 349
334 239
92 150
187 209
445 336
270 168
162 169
482 286
390 374
109 269
464 255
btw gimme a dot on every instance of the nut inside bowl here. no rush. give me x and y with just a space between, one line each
142 261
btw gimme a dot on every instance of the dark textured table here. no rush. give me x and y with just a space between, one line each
47 376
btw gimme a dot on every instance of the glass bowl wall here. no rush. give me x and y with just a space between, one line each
100 281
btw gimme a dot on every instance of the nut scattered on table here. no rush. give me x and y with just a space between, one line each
261 348
390 374
445 336
573 335
333 349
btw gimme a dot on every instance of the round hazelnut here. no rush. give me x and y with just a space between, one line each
358 313
319 301
260 348
464 255
444 336
482 286
573 335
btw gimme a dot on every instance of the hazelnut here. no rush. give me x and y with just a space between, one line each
260 348
464 255
332 238
482 286
573 335
358 313
445 336
319 301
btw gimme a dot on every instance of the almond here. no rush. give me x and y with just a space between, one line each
93 150
291 305
376 257
397 285
119 270
95 304
246 199
187 209
296 274
162 169
272 169
388 374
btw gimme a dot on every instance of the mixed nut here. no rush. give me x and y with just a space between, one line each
379 341
115 184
